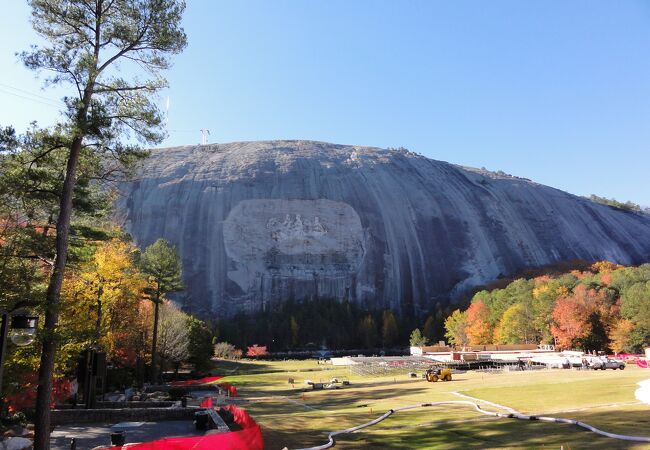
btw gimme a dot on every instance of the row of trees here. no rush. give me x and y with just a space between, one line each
606 307
627 206
317 322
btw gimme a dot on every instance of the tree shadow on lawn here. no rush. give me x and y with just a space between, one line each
331 401
485 433
226 367
255 387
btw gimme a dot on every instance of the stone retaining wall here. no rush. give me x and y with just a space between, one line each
131 404
185 389
114 415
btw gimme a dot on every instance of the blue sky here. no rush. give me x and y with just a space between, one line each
558 92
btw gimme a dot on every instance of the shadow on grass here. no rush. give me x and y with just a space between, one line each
225 367
485 432
334 400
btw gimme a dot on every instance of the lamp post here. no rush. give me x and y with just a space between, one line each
23 331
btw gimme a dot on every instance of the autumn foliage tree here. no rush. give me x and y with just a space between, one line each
107 289
592 306
478 327
583 318
456 328
256 351
622 336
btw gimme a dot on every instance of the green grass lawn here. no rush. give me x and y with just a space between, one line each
294 417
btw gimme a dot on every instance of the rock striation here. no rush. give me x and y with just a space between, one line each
257 223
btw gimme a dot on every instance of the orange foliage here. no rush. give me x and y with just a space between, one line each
542 280
606 279
572 313
478 330
257 350
579 274
620 335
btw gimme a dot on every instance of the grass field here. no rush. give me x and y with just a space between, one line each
293 418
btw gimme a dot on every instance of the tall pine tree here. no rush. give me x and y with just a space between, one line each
86 43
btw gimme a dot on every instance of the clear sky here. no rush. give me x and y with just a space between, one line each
555 91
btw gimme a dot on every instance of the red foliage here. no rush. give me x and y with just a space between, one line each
62 389
256 351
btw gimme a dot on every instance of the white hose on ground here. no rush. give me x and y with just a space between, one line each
477 407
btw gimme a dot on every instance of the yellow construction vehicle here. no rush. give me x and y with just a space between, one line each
434 374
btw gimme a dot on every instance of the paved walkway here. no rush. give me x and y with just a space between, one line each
93 435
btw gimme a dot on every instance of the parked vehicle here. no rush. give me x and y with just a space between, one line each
607 363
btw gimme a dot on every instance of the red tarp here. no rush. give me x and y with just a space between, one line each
249 438
204 380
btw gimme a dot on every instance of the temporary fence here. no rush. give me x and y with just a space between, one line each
232 390
249 437
204 380
378 366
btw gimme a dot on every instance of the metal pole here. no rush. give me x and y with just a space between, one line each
3 344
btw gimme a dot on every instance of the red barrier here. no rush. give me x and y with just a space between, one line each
232 390
248 438
643 363
204 380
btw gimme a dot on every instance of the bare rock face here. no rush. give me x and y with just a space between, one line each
257 223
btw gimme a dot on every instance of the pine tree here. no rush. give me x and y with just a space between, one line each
368 332
86 44
416 339
295 332
428 331
389 331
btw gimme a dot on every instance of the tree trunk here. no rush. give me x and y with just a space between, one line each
154 341
98 324
52 299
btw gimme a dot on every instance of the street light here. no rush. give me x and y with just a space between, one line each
23 330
